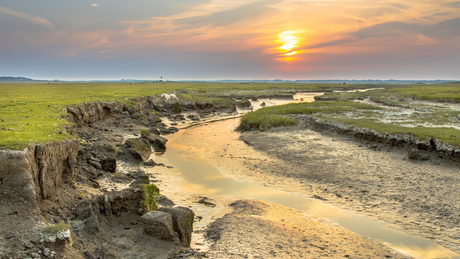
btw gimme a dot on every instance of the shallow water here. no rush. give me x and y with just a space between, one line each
201 176
202 161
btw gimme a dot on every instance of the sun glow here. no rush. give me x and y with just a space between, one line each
289 43
290 53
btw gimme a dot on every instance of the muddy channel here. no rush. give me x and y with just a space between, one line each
209 163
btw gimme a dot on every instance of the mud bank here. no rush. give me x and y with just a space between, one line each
36 173
91 185
257 229
369 175
439 149
102 203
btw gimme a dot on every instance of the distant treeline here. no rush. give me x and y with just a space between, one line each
14 79
320 81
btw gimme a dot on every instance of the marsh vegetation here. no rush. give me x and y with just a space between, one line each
33 113
425 111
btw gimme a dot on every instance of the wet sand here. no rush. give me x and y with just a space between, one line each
300 161
378 181
257 229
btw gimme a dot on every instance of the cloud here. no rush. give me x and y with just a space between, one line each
443 14
197 11
28 17
399 6
454 4
95 5
334 43
228 17
437 15
214 6
444 31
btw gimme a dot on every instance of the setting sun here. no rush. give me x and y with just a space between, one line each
232 39
290 42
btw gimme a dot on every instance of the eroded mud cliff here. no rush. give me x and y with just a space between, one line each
73 186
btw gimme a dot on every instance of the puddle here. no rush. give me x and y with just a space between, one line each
202 166
358 90
298 97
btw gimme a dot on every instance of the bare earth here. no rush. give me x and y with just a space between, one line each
375 180
253 228
258 229
379 181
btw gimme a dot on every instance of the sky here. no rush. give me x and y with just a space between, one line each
238 39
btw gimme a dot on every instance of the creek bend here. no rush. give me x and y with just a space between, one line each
203 162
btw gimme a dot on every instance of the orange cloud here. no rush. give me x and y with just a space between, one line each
275 28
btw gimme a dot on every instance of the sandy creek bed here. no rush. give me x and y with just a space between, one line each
211 161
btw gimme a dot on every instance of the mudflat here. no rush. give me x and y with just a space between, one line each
252 228
256 229
376 180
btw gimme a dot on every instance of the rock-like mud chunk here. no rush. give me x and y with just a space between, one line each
137 148
183 222
153 139
159 224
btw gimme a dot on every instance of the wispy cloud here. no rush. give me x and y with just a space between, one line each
454 4
95 5
213 6
28 17
201 11
400 32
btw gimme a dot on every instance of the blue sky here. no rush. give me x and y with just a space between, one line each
240 39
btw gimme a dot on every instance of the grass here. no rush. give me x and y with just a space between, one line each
150 193
443 134
357 114
32 112
53 229
442 92
143 119
176 107
269 117
254 120
203 98
449 92
345 95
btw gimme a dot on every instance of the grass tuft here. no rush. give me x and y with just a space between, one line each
150 193
176 107
269 117
53 229
253 120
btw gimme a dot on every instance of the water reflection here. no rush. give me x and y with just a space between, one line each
202 177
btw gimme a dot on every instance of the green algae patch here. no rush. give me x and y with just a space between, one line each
137 145
141 117
150 193
176 107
